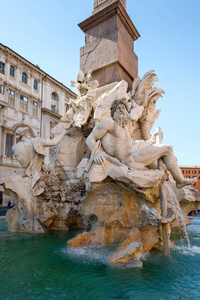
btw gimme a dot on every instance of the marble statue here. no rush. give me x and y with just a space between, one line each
101 176
126 176
30 153
116 142
145 96
83 104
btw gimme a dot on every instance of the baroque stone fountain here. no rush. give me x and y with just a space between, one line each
108 175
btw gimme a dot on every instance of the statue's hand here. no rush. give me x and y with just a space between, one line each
153 137
99 158
69 126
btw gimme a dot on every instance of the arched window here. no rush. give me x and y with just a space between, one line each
53 96
24 77
54 102
35 85
12 71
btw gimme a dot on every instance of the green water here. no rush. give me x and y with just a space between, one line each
42 267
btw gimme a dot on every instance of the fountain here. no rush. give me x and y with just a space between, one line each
105 177
109 176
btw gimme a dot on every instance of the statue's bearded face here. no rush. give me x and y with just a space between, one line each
121 115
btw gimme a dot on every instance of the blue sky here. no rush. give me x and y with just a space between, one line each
45 32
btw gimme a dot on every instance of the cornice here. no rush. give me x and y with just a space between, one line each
33 68
114 9
51 113
190 167
60 85
10 54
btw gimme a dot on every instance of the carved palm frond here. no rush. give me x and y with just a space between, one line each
136 83
146 95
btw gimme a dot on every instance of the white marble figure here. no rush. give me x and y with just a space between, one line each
145 95
82 106
30 153
116 142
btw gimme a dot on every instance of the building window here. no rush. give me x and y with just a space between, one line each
188 172
182 171
9 144
23 103
199 172
11 97
187 176
12 71
35 85
54 102
194 172
35 108
1 89
53 107
53 96
24 77
2 67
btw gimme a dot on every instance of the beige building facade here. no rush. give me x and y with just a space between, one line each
29 97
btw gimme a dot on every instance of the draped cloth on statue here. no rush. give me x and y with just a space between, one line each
36 166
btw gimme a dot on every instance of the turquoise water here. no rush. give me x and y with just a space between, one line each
42 267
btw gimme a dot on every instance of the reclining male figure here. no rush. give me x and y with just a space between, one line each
117 142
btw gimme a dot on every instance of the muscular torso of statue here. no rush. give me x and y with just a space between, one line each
117 141
24 152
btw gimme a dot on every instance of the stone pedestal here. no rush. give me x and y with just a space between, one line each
109 42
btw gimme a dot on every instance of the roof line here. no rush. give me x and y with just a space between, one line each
37 67
180 166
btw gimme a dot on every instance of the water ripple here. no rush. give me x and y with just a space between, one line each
43 267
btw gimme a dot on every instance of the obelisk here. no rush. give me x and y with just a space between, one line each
109 43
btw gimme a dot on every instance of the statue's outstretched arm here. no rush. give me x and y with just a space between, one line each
55 141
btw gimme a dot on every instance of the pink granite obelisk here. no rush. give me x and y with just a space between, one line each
109 43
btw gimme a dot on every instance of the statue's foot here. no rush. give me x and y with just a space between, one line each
186 181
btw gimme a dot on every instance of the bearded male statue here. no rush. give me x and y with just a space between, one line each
117 142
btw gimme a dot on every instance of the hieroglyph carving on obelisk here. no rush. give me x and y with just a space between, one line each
99 2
